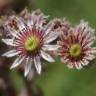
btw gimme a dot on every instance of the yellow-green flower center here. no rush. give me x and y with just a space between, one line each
75 50
31 43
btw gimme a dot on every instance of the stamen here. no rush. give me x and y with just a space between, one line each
75 50
31 43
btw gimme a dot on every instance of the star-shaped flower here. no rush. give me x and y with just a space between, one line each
76 47
31 42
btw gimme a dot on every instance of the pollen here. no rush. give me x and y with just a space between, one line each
75 50
31 43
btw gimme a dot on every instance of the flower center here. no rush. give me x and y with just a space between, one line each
75 50
31 43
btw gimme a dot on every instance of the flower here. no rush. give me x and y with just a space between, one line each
13 25
61 25
76 47
37 13
17 23
31 43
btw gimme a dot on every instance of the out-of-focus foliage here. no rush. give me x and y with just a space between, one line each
58 80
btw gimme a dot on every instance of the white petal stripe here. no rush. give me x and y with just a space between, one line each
30 22
89 57
51 37
37 64
48 28
46 56
70 65
8 42
50 47
78 65
17 62
10 53
28 67
12 31
85 62
20 23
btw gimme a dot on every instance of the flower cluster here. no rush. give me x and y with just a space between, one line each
33 38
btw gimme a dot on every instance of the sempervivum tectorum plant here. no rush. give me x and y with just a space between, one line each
31 43
76 47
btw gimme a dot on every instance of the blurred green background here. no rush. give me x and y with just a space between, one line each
58 80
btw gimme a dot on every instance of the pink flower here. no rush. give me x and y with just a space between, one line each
61 25
31 43
76 47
